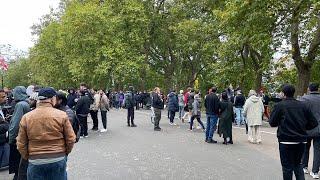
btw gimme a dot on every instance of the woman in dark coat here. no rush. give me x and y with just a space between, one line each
225 119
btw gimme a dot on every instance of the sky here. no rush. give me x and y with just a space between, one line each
16 18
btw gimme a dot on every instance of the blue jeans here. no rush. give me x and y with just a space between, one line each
181 111
211 125
52 171
4 155
239 118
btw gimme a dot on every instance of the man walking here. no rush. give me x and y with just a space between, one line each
173 106
211 104
46 138
312 101
129 103
292 118
157 104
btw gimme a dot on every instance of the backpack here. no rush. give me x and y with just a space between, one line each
75 123
128 103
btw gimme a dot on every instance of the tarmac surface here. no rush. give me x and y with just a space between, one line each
173 153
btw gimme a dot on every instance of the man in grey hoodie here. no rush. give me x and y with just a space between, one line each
312 101
22 107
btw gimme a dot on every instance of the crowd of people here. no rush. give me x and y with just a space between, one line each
41 125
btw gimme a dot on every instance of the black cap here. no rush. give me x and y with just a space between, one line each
46 93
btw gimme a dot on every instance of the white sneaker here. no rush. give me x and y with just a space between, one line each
86 136
314 175
171 124
103 130
305 170
174 124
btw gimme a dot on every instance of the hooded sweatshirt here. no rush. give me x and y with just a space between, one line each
253 110
22 107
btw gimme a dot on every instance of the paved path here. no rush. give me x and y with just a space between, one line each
174 153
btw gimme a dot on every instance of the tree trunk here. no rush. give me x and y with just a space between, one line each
258 81
304 74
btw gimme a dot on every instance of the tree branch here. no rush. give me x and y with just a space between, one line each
314 46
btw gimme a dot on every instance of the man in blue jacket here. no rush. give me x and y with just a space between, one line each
22 107
173 106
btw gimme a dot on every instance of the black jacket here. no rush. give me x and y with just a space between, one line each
71 100
293 119
4 127
156 101
73 120
211 103
239 101
83 105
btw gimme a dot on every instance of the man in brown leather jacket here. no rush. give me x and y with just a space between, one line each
46 138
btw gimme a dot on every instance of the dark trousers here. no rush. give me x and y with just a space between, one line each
14 160
84 125
172 114
157 118
23 167
137 106
290 156
94 116
130 115
316 154
104 119
198 119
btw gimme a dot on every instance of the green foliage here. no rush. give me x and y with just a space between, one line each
170 44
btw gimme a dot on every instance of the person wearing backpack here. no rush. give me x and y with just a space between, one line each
104 107
129 103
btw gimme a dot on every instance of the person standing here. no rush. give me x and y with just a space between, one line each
211 104
4 127
181 105
292 118
117 100
129 103
82 111
225 119
265 99
312 101
196 112
173 106
239 101
94 107
121 98
22 107
104 107
72 96
253 111
157 104
61 104
45 139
